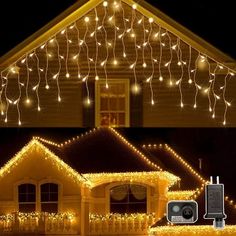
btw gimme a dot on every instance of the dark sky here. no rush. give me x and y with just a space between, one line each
212 20
215 146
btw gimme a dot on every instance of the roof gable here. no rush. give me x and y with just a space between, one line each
81 8
36 145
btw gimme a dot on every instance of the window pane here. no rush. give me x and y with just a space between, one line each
49 207
113 102
22 198
121 119
45 197
121 104
26 193
54 197
31 197
128 199
27 207
104 104
53 188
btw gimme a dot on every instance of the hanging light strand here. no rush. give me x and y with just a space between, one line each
56 76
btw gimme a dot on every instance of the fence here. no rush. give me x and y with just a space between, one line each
42 223
118 224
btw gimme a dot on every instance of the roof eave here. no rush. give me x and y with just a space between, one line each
185 34
49 30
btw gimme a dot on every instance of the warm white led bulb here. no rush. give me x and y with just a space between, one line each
59 99
47 86
161 78
67 75
144 65
150 20
134 6
86 19
96 77
105 4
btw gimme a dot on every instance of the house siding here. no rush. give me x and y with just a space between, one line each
71 111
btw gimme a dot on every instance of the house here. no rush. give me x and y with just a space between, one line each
116 63
94 184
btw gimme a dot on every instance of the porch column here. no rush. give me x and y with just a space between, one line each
85 200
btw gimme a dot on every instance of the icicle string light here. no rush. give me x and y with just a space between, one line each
162 39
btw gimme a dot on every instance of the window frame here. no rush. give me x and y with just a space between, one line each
26 203
149 198
49 202
100 82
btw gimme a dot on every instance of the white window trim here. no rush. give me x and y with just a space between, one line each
97 99
38 193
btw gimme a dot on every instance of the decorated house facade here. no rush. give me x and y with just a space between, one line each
69 187
116 63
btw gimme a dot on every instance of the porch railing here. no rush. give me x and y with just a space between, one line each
118 224
45 223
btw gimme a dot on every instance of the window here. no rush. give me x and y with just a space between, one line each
27 197
112 107
49 198
128 199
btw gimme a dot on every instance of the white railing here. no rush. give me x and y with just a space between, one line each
125 224
64 223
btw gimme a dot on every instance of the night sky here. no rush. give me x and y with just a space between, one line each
215 146
212 21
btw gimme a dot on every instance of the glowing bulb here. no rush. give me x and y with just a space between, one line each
124 54
105 4
5 120
67 75
190 81
224 123
153 103
86 19
96 19
19 123
179 63
55 76
134 6
144 65
195 106
135 88
39 108
132 66
115 62
107 86
161 78
150 20
133 35
96 77
171 83
229 104
63 31
213 116
51 41
59 99
148 79
47 86
181 104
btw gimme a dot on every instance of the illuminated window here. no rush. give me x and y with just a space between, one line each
27 197
112 103
49 198
128 199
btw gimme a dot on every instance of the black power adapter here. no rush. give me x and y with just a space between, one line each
214 203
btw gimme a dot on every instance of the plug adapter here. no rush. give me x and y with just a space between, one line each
214 203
